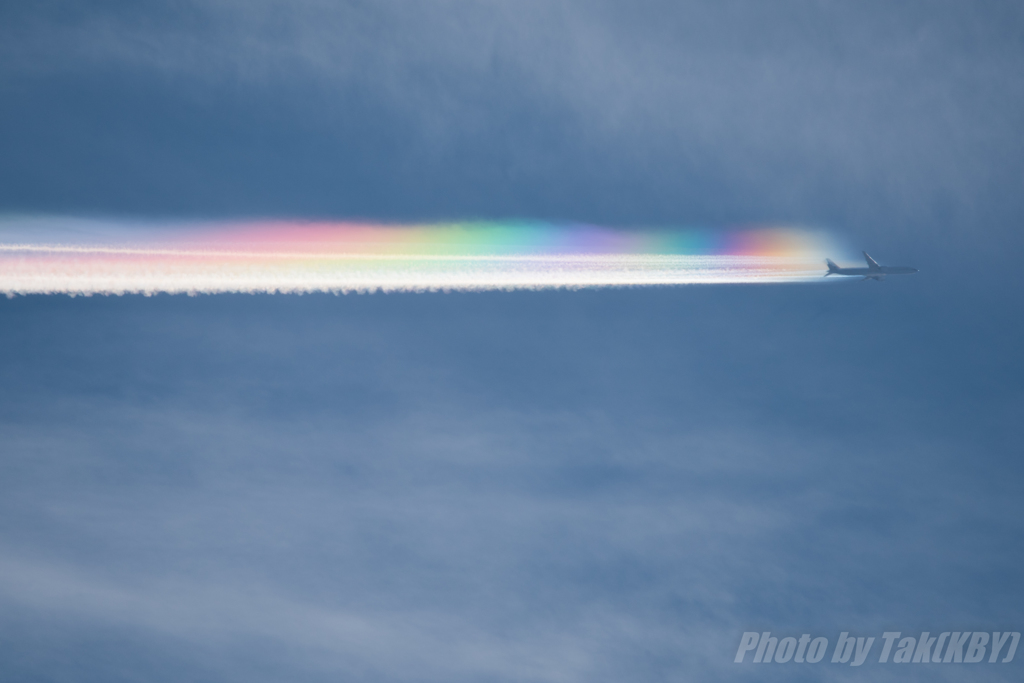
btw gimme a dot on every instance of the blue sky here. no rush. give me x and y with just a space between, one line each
539 486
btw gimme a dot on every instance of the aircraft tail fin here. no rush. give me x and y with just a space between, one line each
871 262
832 267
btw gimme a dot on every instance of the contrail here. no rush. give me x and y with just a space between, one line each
88 256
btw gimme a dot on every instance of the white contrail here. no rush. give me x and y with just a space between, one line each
47 256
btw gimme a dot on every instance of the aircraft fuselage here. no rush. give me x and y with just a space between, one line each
873 271
882 270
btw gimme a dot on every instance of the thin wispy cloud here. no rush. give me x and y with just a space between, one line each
800 115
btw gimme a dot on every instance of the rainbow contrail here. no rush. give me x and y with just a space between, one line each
86 256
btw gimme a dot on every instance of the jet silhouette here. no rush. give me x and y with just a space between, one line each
872 272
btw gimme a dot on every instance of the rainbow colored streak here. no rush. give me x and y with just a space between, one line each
78 256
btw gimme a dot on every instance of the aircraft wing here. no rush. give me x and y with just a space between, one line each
871 262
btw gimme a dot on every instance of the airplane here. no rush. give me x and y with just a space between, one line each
872 272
